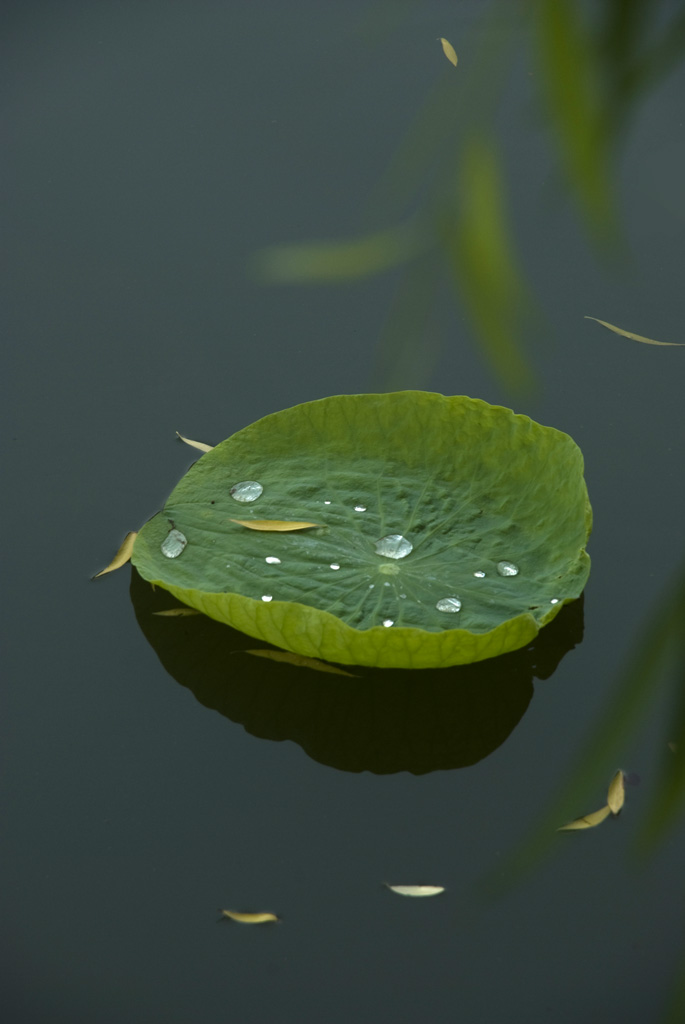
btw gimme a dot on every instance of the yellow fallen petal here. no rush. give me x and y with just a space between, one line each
417 890
617 793
195 444
301 660
449 51
235 915
587 821
175 613
274 525
122 556
634 337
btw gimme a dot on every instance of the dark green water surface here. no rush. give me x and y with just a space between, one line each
154 771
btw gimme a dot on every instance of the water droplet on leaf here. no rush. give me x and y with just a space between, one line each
246 490
334 565
360 508
449 604
267 597
272 560
479 575
394 546
388 622
507 569
173 544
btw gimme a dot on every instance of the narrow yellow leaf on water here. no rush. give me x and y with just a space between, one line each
122 556
177 613
617 793
449 51
417 890
300 660
634 337
587 821
274 525
236 915
195 444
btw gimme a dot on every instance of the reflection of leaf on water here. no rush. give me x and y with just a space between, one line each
384 721
300 661
633 337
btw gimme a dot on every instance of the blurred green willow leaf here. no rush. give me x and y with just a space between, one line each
299 661
482 255
314 262
570 63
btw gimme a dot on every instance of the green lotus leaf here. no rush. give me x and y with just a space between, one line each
450 530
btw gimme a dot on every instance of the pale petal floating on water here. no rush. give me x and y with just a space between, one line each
195 444
634 337
122 556
449 51
274 525
301 661
236 915
587 821
417 890
617 794
176 613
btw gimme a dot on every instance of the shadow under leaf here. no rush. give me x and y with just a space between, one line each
381 720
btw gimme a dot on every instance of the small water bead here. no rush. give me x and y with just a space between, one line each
507 569
334 565
555 600
479 575
173 544
272 560
403 596
246 490
267 597
326 502
360 508
394 546
449 604
386 584
388 622
371 586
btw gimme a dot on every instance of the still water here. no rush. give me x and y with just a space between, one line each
162 158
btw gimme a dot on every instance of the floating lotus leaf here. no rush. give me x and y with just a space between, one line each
451 530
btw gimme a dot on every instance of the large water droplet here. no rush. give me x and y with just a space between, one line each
388 622
173 544
480 575
267 597
334 565
394 546
360 508
449 604
246 490
507 569
272 560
